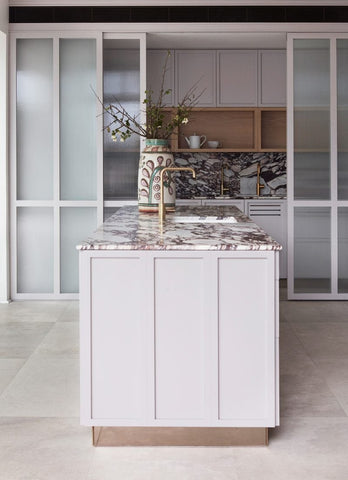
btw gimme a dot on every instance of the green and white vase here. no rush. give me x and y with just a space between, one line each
155 157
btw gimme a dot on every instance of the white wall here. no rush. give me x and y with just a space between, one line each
4 229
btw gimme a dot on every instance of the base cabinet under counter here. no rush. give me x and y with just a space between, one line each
171 338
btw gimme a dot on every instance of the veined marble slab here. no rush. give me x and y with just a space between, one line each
128 229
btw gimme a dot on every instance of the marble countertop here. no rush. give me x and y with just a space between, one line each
128 229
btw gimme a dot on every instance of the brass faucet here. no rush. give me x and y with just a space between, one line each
258 184
161 205
223 189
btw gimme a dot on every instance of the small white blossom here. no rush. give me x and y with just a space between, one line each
184 120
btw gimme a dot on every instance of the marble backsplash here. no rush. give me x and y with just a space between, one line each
239 170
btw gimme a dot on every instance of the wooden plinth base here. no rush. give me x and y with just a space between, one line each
178 436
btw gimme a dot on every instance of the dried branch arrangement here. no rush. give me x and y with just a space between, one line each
121 124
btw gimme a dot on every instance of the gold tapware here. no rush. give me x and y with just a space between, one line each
161 205
258 184
223 189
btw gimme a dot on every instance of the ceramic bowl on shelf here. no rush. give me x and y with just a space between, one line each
213 144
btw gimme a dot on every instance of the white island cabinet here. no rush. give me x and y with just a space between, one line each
179 326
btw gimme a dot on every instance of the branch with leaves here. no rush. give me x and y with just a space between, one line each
122 125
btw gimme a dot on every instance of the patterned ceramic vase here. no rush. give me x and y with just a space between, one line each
155 156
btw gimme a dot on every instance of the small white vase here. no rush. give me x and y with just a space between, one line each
154 157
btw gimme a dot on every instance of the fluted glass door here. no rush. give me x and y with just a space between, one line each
318 166
54 161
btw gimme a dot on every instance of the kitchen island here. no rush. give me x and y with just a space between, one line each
179 329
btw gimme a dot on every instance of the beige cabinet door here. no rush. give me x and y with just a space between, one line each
272 78
196 67
237 78
155 63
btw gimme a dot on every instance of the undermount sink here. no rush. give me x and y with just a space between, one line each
203 219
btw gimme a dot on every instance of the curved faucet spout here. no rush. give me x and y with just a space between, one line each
258 178
161 205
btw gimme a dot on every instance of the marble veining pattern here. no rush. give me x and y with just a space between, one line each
129 229
239 171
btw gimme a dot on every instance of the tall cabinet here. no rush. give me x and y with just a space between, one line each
318 166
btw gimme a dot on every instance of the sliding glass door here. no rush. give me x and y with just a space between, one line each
54 162
317 167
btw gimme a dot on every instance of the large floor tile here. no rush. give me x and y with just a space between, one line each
20 339
311 435
33 311
314 311
44 387
9 368
174 463
44 449
335 373
305 448
307 396
61 341
71 313
323 340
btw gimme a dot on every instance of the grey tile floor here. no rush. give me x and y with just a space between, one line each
41 439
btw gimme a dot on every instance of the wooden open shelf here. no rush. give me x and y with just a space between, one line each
237 129
273 129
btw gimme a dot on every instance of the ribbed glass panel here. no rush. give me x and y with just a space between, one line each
34 114
121 83
76 225
312 250
78 150
35 250
312 119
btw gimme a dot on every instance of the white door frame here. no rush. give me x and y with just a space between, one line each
333 203
4 194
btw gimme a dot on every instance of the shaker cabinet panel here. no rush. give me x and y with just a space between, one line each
118 356
155 63
272 78
246 339
237 78
196 67
180 338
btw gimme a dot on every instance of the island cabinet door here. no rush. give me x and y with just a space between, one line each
247 331
183 331
114 333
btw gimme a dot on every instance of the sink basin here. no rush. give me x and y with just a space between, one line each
206 219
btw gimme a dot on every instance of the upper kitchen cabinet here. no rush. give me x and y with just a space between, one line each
272 78
237 78
228 78
156 62
196 67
